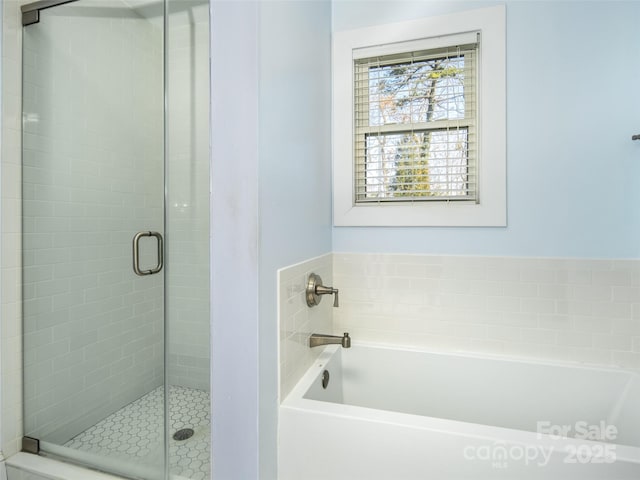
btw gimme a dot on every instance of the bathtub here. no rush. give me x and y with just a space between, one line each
401 414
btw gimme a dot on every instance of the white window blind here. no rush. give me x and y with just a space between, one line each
415 123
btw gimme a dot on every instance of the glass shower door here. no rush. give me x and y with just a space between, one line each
93 179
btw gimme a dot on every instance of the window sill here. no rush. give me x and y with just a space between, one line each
441 214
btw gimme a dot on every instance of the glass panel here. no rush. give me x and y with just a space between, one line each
187 274
432 163
417 91
93 176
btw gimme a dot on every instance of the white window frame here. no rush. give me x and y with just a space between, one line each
491 209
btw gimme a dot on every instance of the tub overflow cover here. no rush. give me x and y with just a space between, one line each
325 378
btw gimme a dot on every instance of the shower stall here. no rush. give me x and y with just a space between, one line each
115 228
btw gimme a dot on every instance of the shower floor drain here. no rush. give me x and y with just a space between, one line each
183 434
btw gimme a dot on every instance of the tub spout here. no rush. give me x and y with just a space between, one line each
317 340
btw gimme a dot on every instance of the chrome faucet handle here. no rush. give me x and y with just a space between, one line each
315 289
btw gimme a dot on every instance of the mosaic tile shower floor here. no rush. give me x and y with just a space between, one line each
134 433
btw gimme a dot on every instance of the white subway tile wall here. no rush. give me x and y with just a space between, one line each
297 321
187 232
580 310
10 190
92 178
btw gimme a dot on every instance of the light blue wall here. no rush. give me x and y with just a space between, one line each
234 243
573 102
294 171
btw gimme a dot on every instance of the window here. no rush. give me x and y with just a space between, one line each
415 116
412 143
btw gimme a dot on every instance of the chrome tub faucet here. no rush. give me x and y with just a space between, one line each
317 340
315 289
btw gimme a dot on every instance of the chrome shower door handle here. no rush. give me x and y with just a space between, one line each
136 253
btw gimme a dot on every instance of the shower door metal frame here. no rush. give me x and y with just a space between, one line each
31 11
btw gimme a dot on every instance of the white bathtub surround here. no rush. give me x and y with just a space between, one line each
567 309
409 415
297 321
